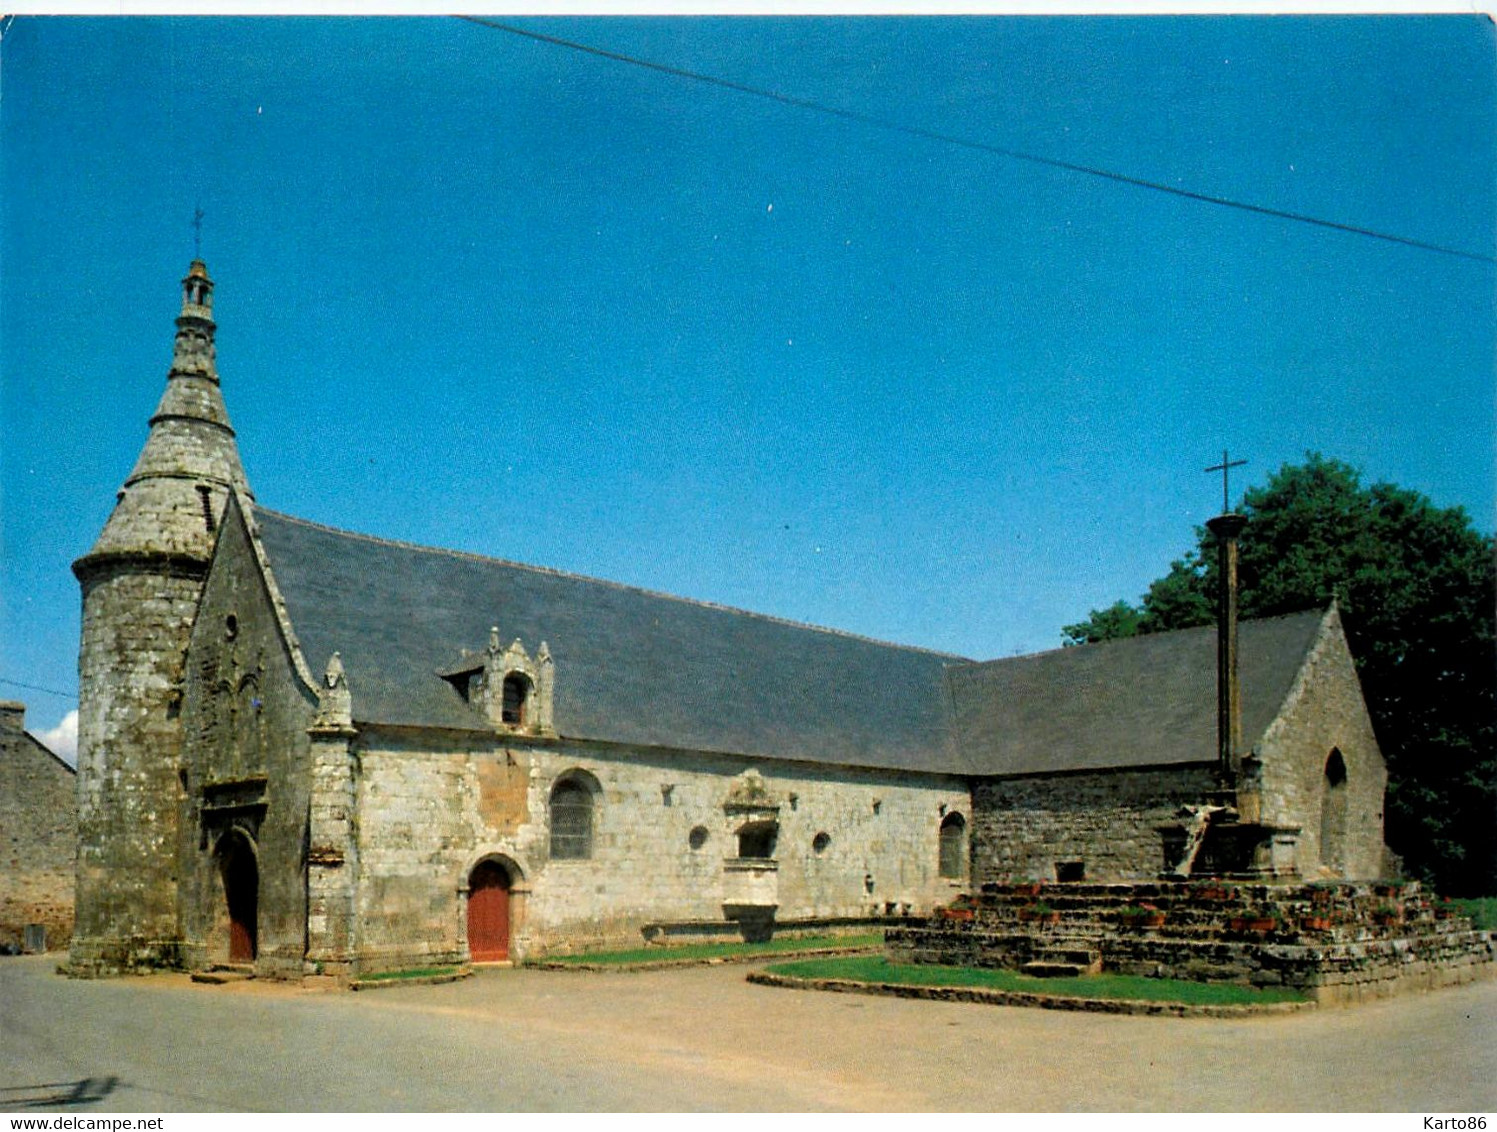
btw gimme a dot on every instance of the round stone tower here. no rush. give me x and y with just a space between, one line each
141 583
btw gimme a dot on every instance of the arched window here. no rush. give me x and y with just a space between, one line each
571 820
953 846
516 695
1333 813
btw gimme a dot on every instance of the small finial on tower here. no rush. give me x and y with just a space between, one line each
197 232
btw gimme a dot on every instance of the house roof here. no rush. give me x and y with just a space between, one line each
631 666
1144 701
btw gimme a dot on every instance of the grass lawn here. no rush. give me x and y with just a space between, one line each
876 969
688 951
416 973
1481 909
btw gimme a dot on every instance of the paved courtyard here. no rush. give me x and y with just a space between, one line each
703 1039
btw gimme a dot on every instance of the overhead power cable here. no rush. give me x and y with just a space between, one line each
38 688
968 143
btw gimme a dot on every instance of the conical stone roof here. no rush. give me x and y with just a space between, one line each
172 501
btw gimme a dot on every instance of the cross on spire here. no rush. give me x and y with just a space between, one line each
1224 468
197 233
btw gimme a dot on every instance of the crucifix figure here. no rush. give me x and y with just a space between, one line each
1224 468
197 233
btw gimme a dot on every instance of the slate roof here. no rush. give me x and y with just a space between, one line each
631 666
1145 701
643 668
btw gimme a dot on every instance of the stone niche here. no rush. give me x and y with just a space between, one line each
751 876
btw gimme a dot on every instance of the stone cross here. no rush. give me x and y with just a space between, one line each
1224 468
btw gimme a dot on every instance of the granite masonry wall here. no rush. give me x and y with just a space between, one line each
245 767
1029 827
136 619
1323 727
38 830
847 842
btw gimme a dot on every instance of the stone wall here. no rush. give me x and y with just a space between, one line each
245 714
1027 827
1336 942
136 619
664 841
38 831
1325 714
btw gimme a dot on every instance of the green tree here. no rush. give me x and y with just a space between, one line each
1417 588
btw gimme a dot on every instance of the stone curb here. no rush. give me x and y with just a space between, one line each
706 961
1026 998
415 981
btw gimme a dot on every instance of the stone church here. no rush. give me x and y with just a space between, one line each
325 753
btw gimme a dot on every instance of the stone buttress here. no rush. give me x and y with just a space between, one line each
141 583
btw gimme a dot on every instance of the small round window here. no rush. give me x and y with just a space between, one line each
698 837
820 842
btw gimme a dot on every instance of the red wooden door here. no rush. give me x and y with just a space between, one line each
241 880
488 913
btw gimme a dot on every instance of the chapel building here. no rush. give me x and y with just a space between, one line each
324 753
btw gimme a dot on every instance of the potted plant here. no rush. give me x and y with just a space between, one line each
1316 922
1256 923
960 909
1141 916
1322 895
1039 913
1386 915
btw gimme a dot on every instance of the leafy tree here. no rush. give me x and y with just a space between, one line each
1417 589
1118 620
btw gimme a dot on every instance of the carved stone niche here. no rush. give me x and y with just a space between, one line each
513 690
750 880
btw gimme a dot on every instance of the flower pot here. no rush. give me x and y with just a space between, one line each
1315 924
1029 916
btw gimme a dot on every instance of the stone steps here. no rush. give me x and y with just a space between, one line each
1052 969
221 973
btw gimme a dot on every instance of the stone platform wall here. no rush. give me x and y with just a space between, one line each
1336 942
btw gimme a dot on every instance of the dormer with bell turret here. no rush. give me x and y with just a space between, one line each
141 583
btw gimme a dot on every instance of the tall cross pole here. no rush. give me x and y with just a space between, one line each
197 233
1224 467
1226 527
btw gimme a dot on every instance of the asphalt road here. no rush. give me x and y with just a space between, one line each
703 1039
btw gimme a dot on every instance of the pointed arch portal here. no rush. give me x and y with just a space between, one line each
241 880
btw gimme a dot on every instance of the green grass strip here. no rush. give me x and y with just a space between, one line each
692 951
415 973
1481 909
876 969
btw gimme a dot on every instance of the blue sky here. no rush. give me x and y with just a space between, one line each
482 292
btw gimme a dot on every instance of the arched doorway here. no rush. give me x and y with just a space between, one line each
488 913
241 880
1333 815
